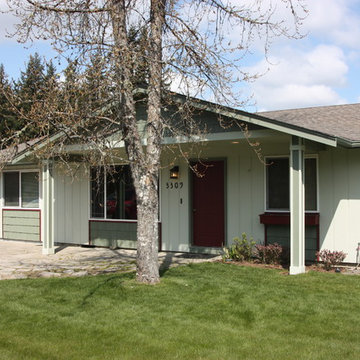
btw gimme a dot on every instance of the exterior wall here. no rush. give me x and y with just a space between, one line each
339 198
113 234
339 180
71 205
175 208
1 201
18 224
281 234
244 192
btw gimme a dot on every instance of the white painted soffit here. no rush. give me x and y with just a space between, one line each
220 136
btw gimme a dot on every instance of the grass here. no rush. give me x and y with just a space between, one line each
203 311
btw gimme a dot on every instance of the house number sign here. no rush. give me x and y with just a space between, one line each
174 185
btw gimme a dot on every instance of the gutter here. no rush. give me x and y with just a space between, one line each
348 143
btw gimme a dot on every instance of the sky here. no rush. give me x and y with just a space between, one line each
322 68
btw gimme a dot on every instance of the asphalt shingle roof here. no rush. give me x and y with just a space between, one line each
341 121
8 154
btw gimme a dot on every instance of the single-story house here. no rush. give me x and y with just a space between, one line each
301 189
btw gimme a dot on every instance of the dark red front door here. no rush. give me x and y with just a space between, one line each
208 204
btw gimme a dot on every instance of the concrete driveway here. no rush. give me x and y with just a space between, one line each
20 260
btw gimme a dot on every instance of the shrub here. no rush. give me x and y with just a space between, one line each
240 250
331 258
269 254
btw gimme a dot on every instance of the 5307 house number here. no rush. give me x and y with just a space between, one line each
174 185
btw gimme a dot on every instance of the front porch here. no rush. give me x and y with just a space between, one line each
73 212
22 259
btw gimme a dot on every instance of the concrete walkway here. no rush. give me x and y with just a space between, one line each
20 260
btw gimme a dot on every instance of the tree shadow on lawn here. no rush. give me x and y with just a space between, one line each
171 259
120 278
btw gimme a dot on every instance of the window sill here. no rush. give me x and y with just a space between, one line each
20 208
283 218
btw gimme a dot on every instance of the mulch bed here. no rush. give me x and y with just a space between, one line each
347 270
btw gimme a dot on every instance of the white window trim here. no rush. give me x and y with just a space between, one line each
5 207
307 156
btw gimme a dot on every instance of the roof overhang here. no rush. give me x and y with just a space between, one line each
348 143
266 122
202 105
37 146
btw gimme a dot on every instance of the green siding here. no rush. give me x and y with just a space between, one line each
21 225
281 234
113 234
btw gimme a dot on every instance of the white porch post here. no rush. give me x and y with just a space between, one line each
48 208
297 206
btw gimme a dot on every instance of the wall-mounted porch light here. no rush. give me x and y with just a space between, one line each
174 172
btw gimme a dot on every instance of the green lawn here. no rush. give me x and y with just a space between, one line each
204 311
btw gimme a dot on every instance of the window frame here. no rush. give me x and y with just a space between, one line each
307 156
104 218
20 207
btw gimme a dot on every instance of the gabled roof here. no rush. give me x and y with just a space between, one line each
339 121
270 123
8 154
15 154
329 125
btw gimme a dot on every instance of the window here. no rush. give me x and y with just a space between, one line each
113 193
311 184
11 189
278 184
21 189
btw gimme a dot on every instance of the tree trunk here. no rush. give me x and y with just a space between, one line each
144 161
147 230
148 206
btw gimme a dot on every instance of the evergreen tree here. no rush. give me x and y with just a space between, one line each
36 84
8 120
94 91
50 76
140 64
32 81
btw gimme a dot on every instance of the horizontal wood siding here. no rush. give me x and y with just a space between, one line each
281 234
113 234
21 225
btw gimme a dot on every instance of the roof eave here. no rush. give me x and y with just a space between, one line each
352 144
267 123
27 152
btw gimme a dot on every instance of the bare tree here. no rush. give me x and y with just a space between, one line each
199 44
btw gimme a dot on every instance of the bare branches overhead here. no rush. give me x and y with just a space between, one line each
204 42
198 44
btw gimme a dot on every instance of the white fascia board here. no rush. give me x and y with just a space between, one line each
80 148
231 135
27 153
76 148
348 143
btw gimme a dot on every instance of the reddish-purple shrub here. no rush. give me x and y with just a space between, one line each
269 254
331 258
